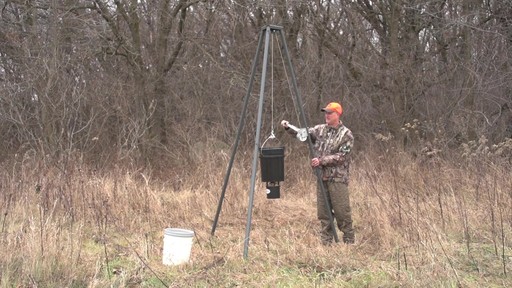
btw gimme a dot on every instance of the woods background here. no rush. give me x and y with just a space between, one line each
145 81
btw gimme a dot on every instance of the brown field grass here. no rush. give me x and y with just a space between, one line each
435 223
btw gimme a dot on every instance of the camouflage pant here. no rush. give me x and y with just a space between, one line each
339 200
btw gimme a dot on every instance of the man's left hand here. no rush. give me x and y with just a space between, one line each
315 162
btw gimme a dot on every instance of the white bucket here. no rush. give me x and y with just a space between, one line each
177 246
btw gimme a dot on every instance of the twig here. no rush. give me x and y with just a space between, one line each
503 259
104 240
6 212
144 262
449 262
147 266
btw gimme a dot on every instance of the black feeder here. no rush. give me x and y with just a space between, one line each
272 169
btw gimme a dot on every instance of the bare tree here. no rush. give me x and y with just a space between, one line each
137 79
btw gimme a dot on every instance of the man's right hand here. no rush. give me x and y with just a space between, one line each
284 123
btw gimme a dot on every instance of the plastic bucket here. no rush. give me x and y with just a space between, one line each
177 246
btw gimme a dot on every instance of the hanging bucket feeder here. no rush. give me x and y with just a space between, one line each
272 164
272 169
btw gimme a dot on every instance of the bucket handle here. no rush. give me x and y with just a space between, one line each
271 136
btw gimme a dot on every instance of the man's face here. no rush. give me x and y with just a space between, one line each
332 118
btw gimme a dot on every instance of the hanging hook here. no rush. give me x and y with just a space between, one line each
272 136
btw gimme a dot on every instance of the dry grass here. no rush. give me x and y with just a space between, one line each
419 224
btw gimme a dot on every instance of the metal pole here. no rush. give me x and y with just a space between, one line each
318 172
240 128
256 142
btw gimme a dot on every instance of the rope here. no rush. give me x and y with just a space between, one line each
272 136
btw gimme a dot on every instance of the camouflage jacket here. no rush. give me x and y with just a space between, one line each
332 145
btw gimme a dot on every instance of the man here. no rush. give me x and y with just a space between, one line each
332 145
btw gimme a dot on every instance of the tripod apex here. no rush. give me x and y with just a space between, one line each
273 28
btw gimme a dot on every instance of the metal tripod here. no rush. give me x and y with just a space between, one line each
265 33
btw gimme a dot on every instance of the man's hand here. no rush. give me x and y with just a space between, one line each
315 162
285 123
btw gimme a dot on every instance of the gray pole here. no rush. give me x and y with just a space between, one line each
318 172
256 143
240 128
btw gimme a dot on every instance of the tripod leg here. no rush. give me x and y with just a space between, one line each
256 142
318 172
240 128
